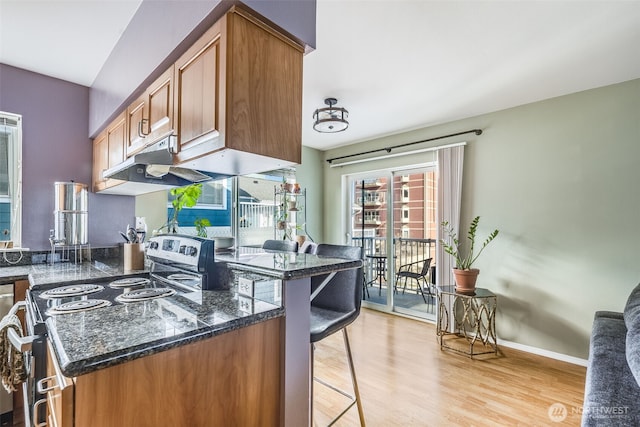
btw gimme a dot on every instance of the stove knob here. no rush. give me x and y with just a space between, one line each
153 245
192 250
183 249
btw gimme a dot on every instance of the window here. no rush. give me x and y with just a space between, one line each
10 177
405 193
405 214
213 195
372 217
214 205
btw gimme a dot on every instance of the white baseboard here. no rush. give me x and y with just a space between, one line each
543 352
510 344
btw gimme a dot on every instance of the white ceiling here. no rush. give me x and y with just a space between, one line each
70 40
395 65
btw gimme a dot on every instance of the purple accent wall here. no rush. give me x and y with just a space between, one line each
297 17
161 30
55 147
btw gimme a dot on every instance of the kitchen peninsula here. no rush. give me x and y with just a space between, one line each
200 352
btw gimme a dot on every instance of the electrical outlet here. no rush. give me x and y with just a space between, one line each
38 258
140 223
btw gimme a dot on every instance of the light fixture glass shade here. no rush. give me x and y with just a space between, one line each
330 119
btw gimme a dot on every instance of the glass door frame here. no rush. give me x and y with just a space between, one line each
350 181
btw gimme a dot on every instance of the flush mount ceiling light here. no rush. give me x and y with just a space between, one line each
330 119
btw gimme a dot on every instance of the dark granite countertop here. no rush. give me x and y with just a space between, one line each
100 338
65 272
14 273
284 265
69 273
108 336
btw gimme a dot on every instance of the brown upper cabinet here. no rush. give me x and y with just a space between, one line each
108 151
150 117
234 100
238 98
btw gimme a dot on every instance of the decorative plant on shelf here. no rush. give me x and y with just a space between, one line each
282 221
186 196
465 275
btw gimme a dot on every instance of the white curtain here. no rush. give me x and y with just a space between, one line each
449 199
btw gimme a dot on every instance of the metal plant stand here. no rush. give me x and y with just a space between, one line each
470 318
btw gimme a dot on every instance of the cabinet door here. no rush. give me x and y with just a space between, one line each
151 115
160 106
197 91
264 90
100 161
136 120
116 140
108 151
60 405
240 87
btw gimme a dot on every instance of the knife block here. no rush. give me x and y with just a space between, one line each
133 256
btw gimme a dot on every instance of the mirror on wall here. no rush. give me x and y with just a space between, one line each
242 207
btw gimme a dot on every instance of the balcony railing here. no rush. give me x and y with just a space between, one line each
405 251
256 215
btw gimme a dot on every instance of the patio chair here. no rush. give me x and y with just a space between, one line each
281 245
409 271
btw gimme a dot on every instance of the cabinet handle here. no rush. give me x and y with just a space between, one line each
141 133
42 389
35 414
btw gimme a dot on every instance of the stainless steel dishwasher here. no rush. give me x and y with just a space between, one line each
6 302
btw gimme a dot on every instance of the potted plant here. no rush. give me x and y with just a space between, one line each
465 276
201 226
183 196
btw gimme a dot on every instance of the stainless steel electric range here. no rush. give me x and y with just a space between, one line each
178 265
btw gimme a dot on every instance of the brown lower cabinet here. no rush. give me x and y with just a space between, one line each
232 379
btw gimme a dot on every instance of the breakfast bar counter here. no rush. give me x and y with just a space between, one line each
96 339
296 271
283 265
89 342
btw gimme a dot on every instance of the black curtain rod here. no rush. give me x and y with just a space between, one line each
388 149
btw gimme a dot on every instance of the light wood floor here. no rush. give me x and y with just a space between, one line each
406 380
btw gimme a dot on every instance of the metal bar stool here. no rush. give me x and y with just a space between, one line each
335 304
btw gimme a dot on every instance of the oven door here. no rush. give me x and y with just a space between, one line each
33 346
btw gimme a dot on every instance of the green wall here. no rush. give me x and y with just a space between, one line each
153 207
310 176
560 179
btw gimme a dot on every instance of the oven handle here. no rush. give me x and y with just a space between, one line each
17 306
35 411
42 388
21 343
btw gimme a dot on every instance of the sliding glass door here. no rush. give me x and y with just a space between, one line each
392 216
